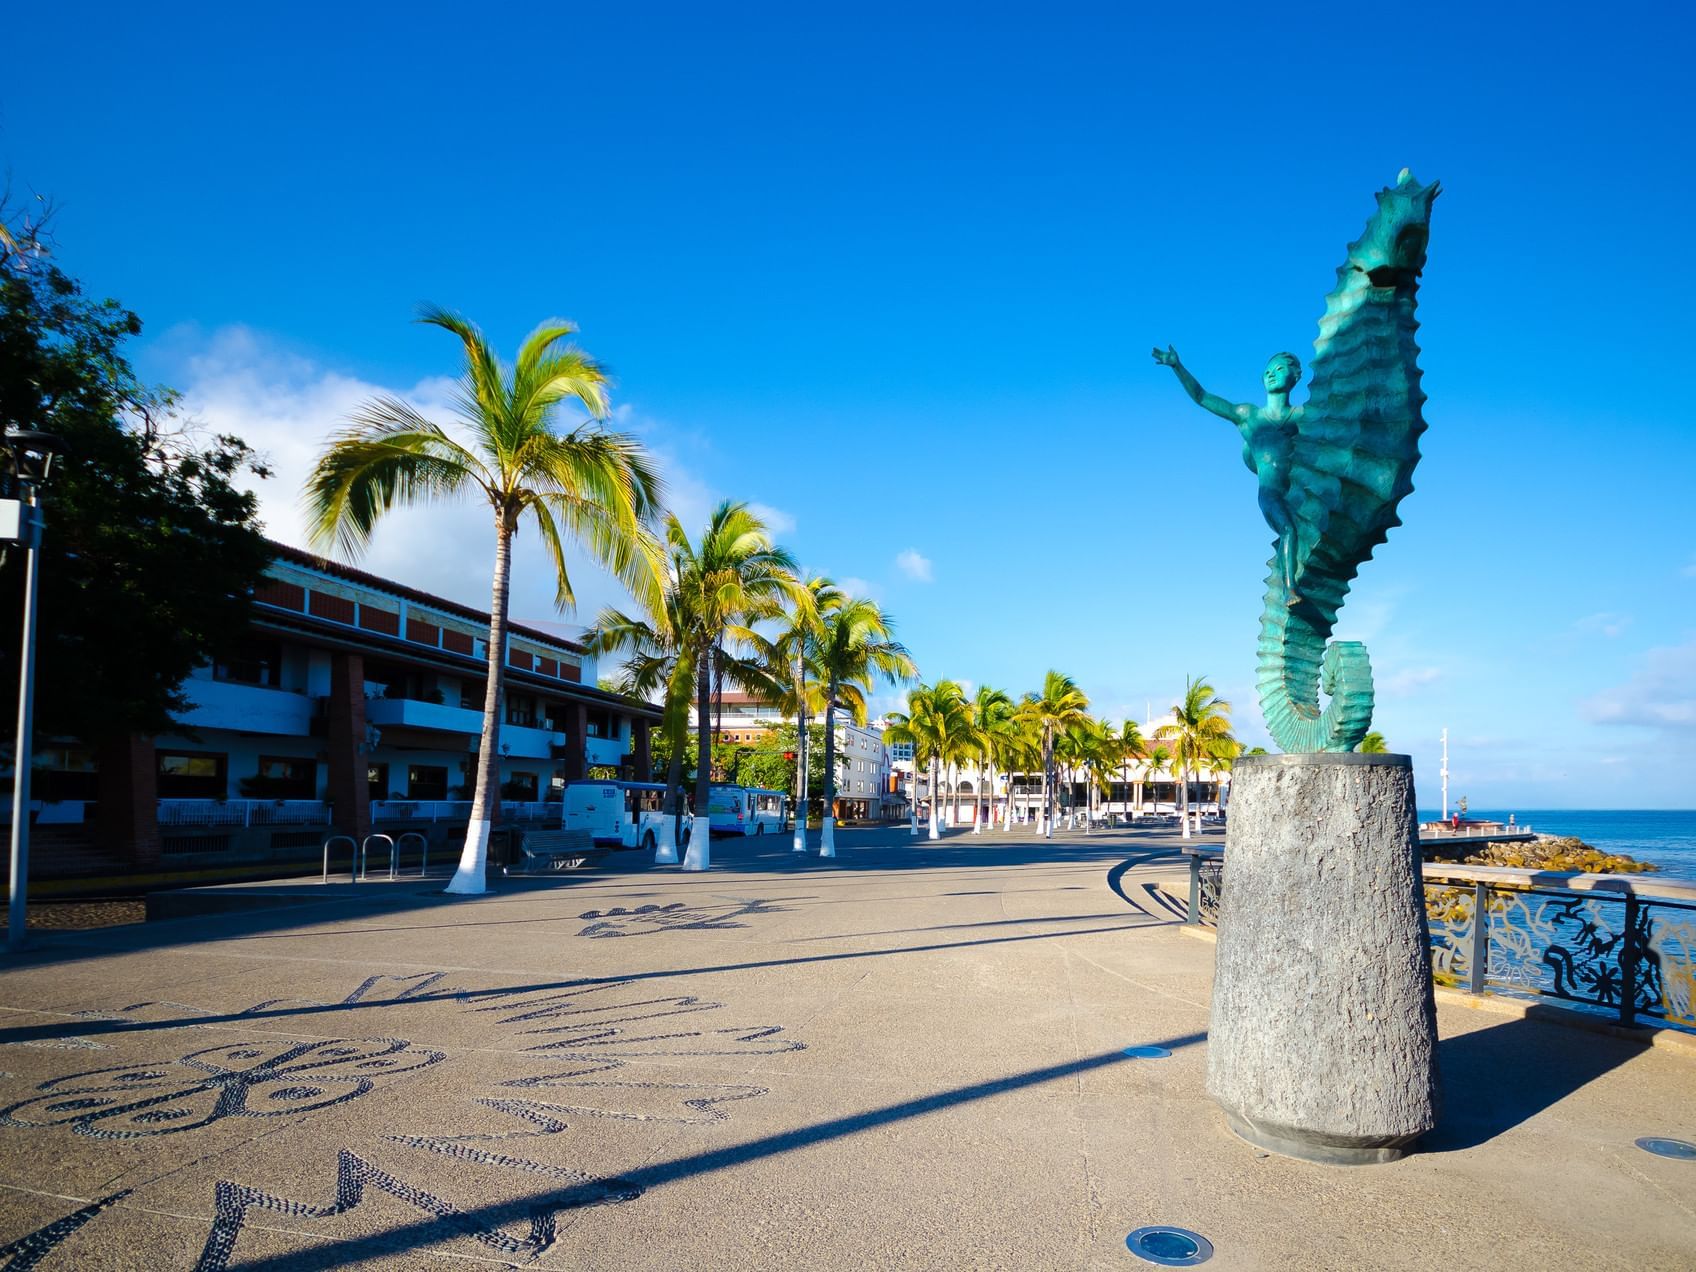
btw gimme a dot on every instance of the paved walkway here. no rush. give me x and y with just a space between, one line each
909 1058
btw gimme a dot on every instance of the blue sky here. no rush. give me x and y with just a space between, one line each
893 274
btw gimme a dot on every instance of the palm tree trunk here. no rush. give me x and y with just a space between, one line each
801 780
1045 827
827 829
1184 798
699 856
472 876
935 774
978 796
665 852
913 797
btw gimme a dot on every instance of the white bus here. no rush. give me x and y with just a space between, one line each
746 810
627 814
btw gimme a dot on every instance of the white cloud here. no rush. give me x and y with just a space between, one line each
1661 695
913 565
854 585
285 406
779 522
1403 683
1606 623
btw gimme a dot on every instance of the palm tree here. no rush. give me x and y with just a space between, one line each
935 713
1130 746
1154 760
593 487
789 661
992 711
855 649
656 666
1373 744
735 577
1060 705
1200 730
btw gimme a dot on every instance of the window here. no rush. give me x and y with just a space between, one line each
519 786
192 775
63 772
426 781
377 779
282 777
252 662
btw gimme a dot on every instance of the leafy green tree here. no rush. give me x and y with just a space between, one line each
151 553
1373 744
588 485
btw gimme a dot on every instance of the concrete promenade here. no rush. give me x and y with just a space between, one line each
911 1057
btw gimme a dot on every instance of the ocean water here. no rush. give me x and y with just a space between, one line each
1665 837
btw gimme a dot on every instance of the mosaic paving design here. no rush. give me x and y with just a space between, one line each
595 1028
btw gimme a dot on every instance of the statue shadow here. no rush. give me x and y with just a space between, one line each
1495 1078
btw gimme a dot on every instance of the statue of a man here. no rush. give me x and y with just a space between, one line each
1268 437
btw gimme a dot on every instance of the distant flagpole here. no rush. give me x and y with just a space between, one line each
1445 775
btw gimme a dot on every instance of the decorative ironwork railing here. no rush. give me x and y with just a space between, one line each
1619 944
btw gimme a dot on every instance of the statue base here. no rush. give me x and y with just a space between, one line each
1322 1043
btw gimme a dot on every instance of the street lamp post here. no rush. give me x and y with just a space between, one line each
21 522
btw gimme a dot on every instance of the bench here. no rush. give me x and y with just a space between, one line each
550 851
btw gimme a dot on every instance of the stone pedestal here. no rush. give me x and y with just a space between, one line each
1323 1033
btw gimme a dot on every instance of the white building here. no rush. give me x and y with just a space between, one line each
863 773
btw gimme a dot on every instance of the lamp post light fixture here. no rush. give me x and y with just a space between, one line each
31 456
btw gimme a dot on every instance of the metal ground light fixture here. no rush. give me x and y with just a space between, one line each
29 458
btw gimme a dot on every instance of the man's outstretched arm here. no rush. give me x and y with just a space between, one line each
1168 357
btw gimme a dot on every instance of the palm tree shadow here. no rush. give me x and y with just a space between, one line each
1496 1078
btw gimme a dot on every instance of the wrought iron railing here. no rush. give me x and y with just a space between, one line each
1619 944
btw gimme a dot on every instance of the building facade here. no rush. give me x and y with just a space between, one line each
354 706
863 775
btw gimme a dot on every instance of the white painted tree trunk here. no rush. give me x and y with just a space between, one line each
827 829
1184 799
665 842
935 771
802 778
472 876
699 854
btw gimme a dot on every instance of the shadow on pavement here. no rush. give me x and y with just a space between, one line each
304 903
1495 1078
533 1211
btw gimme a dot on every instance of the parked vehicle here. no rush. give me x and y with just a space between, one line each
626 814
746 810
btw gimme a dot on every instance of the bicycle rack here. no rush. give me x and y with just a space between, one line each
353 856
365 852
423 850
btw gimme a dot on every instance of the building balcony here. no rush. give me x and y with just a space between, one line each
437 717
225 704
605 750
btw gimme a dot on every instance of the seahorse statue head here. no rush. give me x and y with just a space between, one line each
1391 253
